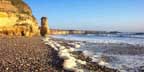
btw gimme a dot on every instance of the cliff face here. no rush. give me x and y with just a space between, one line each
16 19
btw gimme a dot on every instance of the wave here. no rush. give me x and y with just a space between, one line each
106 38
126 61
118 35
112 50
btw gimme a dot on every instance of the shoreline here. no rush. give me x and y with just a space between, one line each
113 52
34 54
85 64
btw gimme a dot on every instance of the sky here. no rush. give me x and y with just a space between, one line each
100 15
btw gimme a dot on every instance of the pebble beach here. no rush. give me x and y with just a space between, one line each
37 54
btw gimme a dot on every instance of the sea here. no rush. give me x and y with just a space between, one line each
122 51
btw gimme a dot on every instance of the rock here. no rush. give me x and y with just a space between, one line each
16 19
44 30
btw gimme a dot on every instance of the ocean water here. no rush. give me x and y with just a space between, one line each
120 51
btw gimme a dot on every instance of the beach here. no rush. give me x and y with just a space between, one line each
33 54
71 36
19 54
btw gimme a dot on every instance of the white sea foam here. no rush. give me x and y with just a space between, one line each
127 62
124 62
87 53
120 62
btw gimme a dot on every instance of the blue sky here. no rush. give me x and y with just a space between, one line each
104 15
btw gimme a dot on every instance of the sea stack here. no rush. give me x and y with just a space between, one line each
44 30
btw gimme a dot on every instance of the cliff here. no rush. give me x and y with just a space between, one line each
16 19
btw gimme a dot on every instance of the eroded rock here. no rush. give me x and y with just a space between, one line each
44 30
16 19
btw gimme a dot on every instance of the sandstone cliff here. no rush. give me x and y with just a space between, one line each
16 19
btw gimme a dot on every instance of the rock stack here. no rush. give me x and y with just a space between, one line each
16 19
44 30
